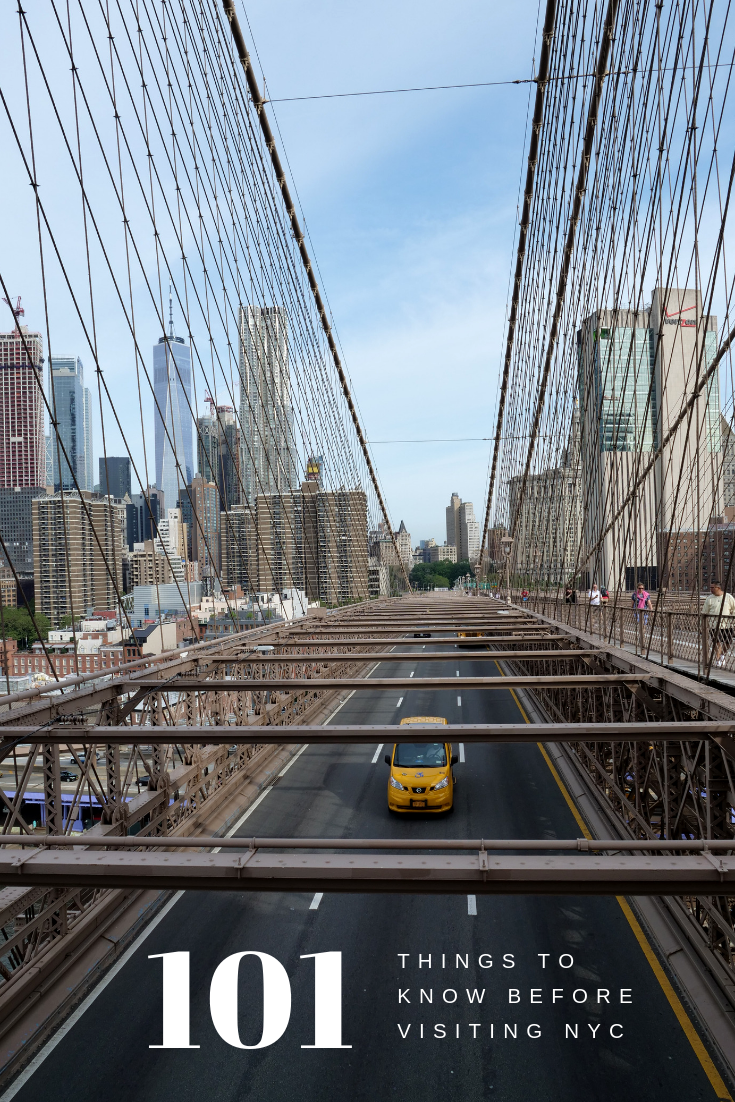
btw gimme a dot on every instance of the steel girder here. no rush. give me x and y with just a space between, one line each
483 872
368 734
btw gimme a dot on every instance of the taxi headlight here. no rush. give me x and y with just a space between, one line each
396 784
442 784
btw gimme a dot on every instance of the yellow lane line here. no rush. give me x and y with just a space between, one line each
674 1001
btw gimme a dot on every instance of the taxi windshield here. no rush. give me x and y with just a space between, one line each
420 753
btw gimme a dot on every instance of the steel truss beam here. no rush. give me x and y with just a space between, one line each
295 684
430 656
491 845
483 872
316 639
369 734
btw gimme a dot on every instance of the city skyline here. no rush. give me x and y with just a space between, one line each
270 439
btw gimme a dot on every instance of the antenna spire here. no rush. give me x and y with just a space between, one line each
170 310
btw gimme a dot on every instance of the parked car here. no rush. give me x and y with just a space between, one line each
67 775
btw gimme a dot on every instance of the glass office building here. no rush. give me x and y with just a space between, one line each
73 406
172 388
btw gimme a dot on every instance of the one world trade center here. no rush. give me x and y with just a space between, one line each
172 388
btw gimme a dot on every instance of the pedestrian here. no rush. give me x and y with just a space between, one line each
524 595
605 595
594 596
641 600
570 595
720 606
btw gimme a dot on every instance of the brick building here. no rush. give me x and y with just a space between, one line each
22 444
62 659
77 546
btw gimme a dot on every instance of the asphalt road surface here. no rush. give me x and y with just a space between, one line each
519 1050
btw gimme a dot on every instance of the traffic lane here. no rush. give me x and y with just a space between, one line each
509 791
502 791
371 931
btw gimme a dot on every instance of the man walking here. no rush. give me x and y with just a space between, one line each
593 596
720 607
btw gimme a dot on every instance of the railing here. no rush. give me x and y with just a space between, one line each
668 635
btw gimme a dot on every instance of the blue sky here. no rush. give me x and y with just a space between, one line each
411 205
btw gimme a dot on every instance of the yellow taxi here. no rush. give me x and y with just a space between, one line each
421 776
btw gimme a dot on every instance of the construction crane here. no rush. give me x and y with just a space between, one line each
213 405
18 310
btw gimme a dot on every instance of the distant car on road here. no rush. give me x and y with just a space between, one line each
421 777
422 635
67 775
83 758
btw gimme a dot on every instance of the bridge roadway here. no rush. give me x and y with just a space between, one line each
502 791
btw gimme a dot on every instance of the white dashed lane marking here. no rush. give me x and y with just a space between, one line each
314 905
376 755
399 703
461 751
471 904
459 701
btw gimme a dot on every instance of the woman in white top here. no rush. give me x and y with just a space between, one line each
593 595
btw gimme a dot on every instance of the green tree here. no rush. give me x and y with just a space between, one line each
18 625
459 569
420 575
426 575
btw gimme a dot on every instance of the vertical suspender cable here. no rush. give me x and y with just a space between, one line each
581 187
538 118
229 7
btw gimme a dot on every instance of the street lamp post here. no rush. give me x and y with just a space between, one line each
507 543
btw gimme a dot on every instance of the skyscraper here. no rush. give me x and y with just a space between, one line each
218 453
143 515
77 554
49 449
88 442
200 513
118 470
22 453
172 389
207 446
469 533
67 398
269 460
453 521
314 540
16 525
635 372
548 525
